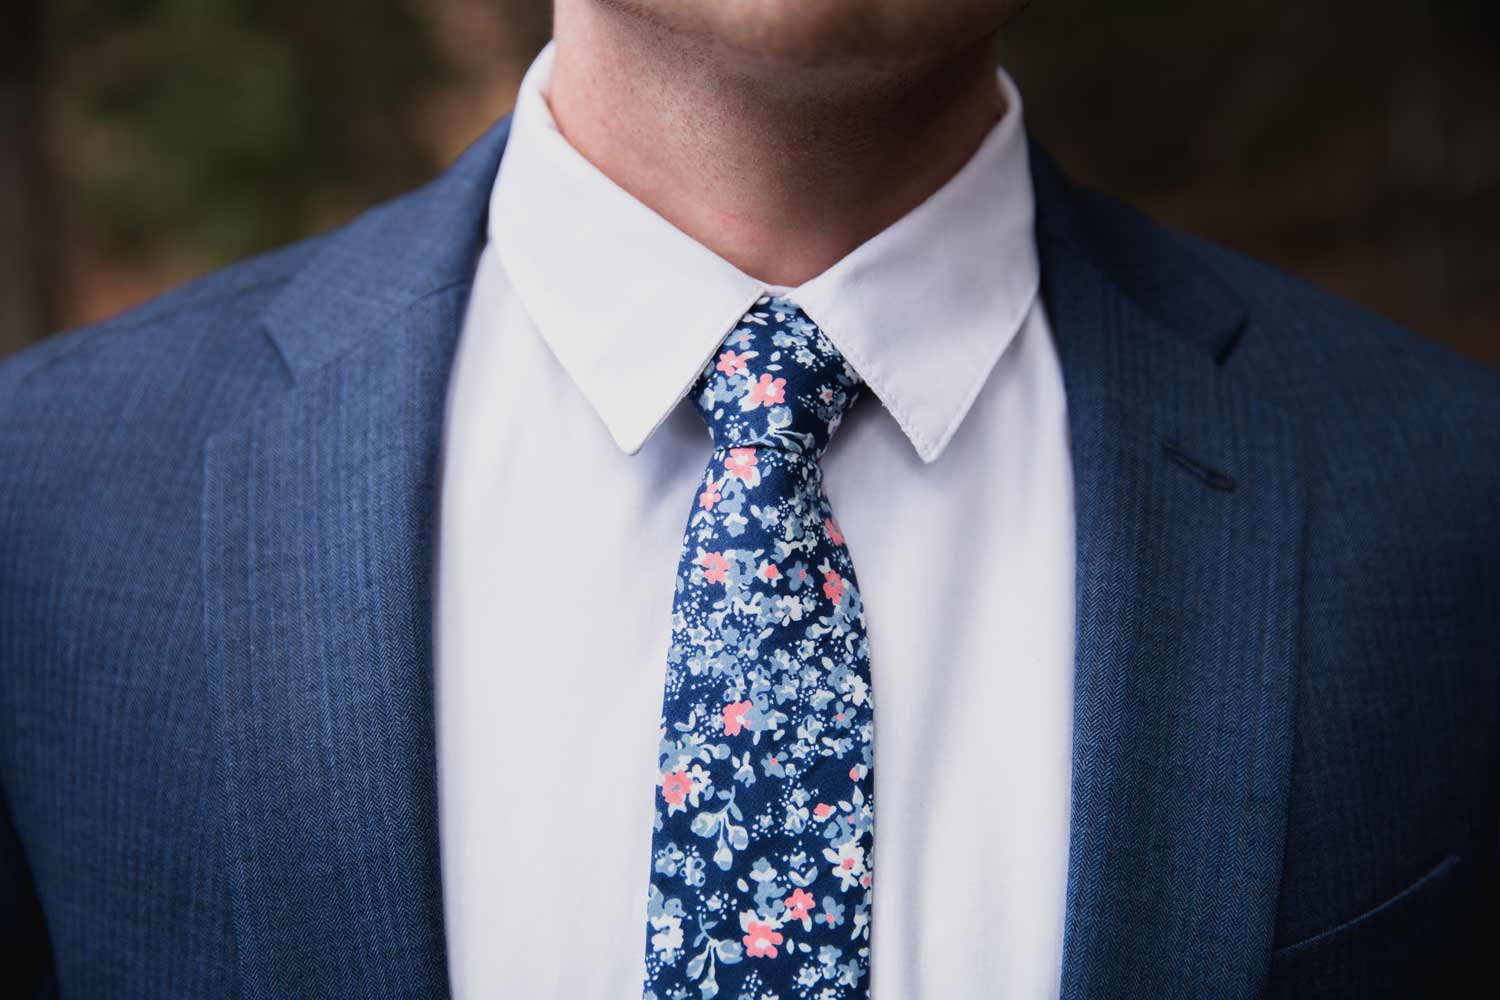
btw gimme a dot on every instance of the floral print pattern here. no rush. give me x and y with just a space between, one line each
761 872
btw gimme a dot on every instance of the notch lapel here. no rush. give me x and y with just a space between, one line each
318 544
1189 527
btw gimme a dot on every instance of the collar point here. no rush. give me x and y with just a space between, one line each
930 453
929 448
630 444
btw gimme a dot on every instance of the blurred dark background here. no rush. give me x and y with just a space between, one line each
1354 142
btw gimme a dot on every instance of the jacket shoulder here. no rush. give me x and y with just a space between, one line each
1392 422
1326 355
1299 342
98 419
1401 434
208 324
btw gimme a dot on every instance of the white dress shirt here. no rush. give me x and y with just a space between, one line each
570 468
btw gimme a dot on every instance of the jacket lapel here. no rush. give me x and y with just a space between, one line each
318 535
1189 523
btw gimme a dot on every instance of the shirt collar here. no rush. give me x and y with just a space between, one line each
633 308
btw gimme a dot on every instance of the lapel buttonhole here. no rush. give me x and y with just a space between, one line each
1211 477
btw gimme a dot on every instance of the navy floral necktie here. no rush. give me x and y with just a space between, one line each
764 823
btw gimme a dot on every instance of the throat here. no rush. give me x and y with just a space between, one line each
782 178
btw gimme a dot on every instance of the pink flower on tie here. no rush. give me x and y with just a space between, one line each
741 465
833 586
709 496
822 811
768 572
761 939
799 903
675 786
832 527
766 392
734 717
714 566
730 362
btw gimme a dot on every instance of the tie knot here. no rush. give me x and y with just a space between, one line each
776 382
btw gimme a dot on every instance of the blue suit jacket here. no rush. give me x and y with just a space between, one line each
216 539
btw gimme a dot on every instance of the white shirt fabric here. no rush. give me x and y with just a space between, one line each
570 468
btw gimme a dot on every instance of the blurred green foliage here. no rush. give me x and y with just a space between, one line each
237 125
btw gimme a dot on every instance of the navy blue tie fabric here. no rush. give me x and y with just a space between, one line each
761 871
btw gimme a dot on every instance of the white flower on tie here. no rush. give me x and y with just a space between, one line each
668 936
848 863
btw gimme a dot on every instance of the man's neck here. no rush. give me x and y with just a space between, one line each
782 180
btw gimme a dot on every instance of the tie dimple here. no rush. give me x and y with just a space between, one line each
777 382
761 875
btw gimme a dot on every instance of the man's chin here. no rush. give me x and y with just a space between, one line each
825 36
